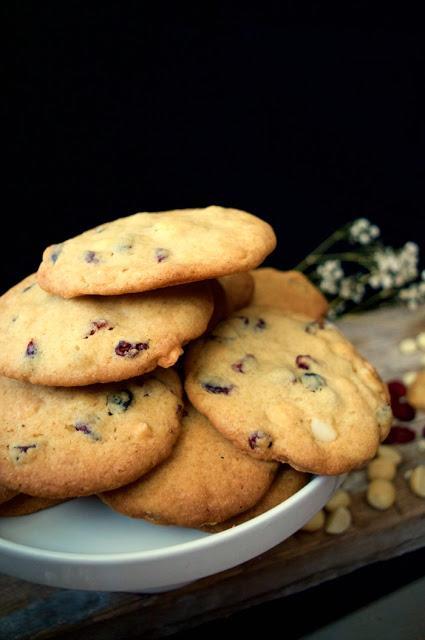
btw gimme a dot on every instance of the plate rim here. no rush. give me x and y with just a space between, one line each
211 539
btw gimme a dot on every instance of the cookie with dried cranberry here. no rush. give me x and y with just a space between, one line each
148 251
205 480
289 291
23 505
230 294
290 389
60 442
285 484
6 494
47 340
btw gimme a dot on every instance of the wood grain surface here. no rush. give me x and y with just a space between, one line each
34 611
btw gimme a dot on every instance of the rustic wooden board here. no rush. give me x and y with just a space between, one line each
32 611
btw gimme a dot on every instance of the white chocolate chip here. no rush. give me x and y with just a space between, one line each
338 521
381 469
407 346
381 494
421 444
317 522
417 481
322 431
340 498
390 453
420 340
409 377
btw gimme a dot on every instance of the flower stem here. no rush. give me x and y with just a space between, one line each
345 256
335 237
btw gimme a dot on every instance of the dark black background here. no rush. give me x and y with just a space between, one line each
307 115
307 118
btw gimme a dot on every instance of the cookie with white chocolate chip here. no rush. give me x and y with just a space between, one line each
60 442
148 251
205 480
284 388
47 340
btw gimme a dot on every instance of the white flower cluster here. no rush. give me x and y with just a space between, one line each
414 295
394 268
330 273
352 288
363 231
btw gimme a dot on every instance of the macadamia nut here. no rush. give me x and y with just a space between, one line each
340 498
381 469
417 481
338 521
381 494
317 522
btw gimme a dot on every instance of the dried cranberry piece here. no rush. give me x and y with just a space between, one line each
83 428
245 363
96 325
23 448
259 440
396 389
403 410
399 435
244 319
313 381
313 327
118 402
260 325
130 349
303 362
213 387
161 254
90 256
31 349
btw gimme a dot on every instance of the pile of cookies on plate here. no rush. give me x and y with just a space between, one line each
100 346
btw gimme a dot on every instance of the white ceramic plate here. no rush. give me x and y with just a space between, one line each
82 544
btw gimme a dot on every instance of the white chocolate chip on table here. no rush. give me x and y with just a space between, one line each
390 453
338 521
340 498
381 469
317 522
408 346
417 481
381 494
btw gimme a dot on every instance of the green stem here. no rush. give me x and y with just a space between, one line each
377 297
336 236
345 256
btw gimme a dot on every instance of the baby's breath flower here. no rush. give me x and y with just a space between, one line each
330 273
414 295
363 231
351 289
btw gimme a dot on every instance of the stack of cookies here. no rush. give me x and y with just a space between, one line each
90 401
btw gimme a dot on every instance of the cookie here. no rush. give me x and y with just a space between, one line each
23 505
6 494
416 391
230 293
289 291
285 484
286 388
47 340
153 250
205 480
60 443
